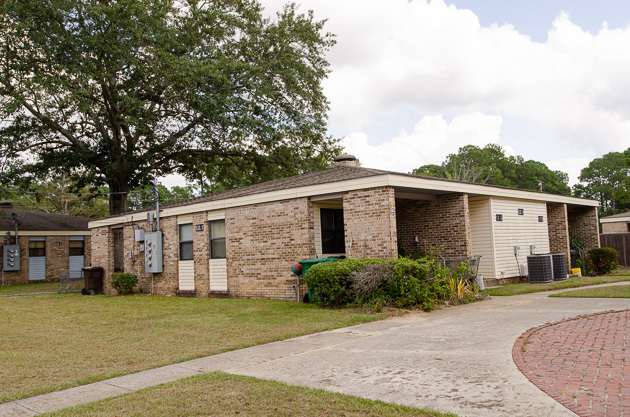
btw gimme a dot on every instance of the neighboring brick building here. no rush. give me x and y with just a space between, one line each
619 223
243 242
47 242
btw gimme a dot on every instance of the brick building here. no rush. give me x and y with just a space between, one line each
47 242
619 223
242 242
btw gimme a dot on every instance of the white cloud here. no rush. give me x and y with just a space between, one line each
432 139
572 166
437 59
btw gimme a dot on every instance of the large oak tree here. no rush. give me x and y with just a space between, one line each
117 92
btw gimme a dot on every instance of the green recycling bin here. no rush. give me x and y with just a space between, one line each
306 265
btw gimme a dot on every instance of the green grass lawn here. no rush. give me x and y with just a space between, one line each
614 291
221 394
52 342
525 288
31 288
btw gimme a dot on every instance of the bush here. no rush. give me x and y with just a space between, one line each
603 260
329 282
374 283
124 282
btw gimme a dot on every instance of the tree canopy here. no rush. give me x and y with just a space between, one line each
607 179
119 92
490 165
58 196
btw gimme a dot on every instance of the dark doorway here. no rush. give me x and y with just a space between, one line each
333 240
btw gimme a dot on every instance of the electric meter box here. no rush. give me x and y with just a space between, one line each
11 258
153 252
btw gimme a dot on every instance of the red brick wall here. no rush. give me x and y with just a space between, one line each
444 222
165 283
370 223
21 276
56 257
615 227
102 255
558 226
584 224
263 241
201 250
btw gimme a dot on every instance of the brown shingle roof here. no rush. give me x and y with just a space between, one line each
330 175
38 221
619 216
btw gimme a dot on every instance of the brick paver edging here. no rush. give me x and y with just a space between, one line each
543 378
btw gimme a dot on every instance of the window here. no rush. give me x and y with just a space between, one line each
37 248
333 240
185 242
77 248
541 219
499 217
217 239
119 250
521 212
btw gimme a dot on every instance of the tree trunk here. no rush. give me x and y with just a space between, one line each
118 198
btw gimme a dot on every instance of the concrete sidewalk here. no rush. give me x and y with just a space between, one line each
454 360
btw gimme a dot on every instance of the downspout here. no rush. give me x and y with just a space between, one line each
15 222
157 204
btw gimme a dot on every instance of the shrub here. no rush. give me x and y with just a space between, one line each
370 278
603 260
124 282
582 261
457 288
403 283
329 282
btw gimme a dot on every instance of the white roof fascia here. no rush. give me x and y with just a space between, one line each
290 193
615 220
46 233
486 190
383 180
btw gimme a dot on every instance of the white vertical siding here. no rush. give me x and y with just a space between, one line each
481 234
215 215
517 230
187 275
218 275
187 219
317 224
37 264
36 268
217 267
186 268
76 263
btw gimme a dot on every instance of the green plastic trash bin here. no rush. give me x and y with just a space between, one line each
306 265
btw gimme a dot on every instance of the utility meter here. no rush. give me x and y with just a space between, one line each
11 258
153 252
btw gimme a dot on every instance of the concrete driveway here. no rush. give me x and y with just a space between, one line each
454 360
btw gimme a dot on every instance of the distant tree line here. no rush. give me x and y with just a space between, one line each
606 179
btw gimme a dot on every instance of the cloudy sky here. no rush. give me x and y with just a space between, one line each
412 81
